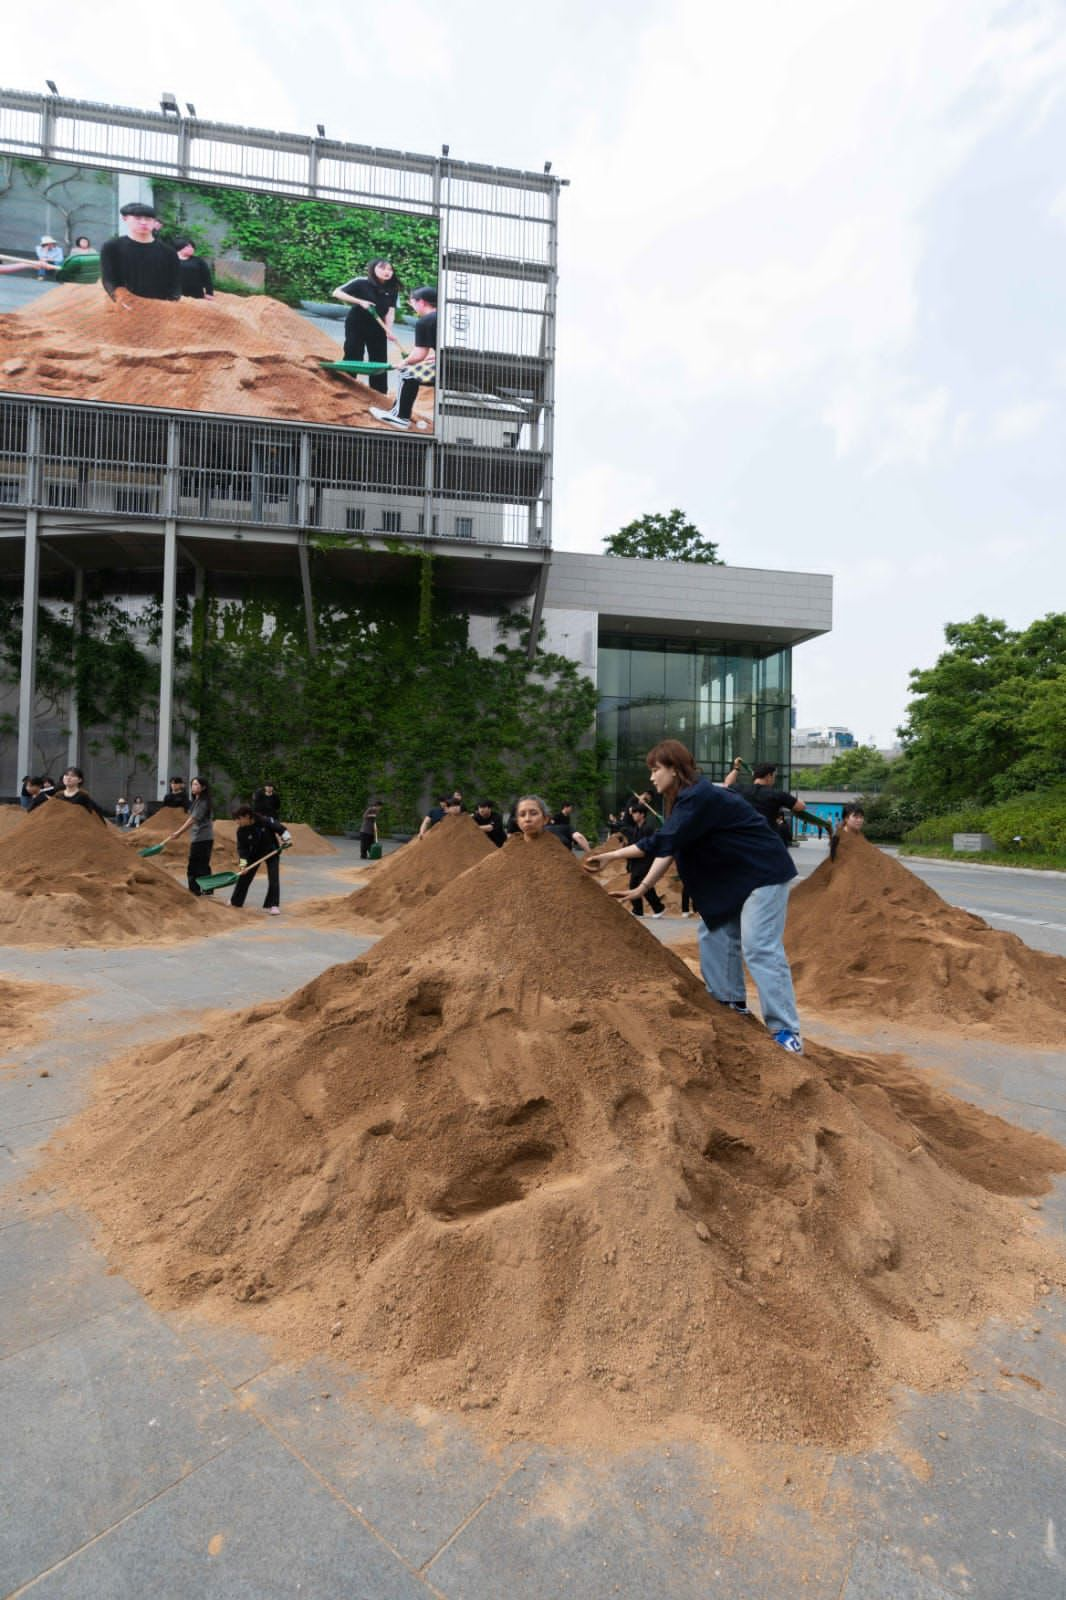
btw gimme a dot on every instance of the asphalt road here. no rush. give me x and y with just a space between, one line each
1030 904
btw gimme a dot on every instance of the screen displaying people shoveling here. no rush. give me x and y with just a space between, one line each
142 291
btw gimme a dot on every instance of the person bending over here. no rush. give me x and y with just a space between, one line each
420 367
770 801
259 839
635 826
194 274
434 815
562 825
368 829
737 871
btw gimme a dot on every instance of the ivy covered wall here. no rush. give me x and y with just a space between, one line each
395 704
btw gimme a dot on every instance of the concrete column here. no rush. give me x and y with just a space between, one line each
309 604
74 715
166 654
31 566
194 731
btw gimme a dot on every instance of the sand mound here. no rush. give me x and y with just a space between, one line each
11 817
249 357
515 1161
21 1007
865 936
403 881
616 876
306 842
66 879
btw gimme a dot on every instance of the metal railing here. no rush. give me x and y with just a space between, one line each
484 474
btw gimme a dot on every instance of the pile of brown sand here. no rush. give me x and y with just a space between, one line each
865 936
241 356
405 880
67 879
514 1161
21 1008
11 818
305 841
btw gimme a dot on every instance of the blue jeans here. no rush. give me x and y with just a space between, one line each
755 935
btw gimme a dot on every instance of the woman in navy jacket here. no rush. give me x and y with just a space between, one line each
736 872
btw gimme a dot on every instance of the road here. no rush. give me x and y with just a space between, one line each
1032 905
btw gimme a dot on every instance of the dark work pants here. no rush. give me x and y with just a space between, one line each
365 841
364 340
199 863
244 883
636 873
405 401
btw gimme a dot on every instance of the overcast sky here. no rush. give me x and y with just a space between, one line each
813 257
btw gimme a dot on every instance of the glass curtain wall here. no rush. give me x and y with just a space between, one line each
721 699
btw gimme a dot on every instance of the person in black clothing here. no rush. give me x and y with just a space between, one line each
176 799
194 272
434 815
267 801
562 825
490 822
368 829
368 325
635 825
420 366
770 801
259 836
138 264
72 792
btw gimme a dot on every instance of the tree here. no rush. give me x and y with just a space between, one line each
659 537
985 720
861 768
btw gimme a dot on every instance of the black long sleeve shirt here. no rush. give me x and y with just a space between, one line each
150 271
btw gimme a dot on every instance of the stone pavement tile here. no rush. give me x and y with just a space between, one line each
645 1525
51 1278
1026 1362
97 1421
236 1354
414 1481
1036 1080
25 1097
976 1503
876 1575
251 1524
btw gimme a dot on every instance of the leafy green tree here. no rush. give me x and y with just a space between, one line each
663 537
985 720
862 768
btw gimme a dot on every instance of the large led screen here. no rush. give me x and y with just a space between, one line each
147 292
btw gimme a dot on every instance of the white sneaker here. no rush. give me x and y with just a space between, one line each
657 914
390 417
273 911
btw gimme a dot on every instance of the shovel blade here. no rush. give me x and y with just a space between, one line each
217 880
150 850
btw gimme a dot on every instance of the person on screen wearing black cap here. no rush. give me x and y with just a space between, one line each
196 280
138 263
420 366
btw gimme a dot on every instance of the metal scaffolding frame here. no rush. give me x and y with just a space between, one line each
482 479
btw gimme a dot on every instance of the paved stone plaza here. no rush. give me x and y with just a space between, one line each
147 1455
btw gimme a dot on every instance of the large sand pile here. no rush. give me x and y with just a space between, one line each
867 937
405 880
515 1161
67 879
11 818
249 357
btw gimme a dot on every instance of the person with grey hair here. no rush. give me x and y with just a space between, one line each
532 816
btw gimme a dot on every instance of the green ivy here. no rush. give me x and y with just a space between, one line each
309 247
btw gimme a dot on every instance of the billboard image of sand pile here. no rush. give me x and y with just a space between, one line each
148 292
